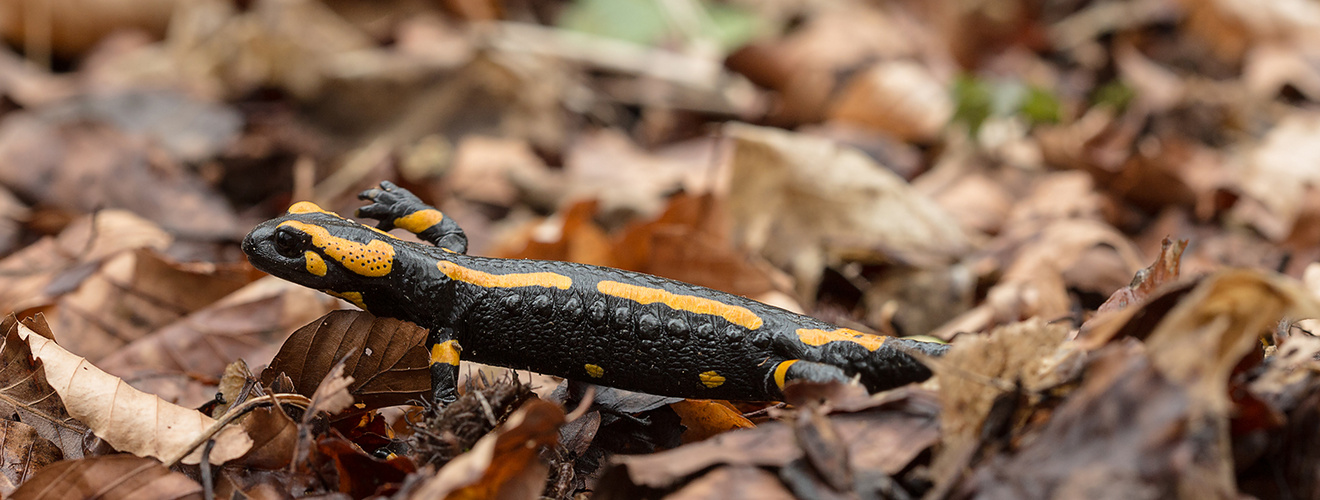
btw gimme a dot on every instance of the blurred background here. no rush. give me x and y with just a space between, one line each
905 167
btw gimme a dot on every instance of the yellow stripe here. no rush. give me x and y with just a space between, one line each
307 207
419 221
594 370
354 297
781 371
645 295
445 352
315 264
372 259
485 279
711 379
818 337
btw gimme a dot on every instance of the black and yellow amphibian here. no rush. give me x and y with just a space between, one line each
608 326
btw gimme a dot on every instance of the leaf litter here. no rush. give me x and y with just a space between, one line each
1107 208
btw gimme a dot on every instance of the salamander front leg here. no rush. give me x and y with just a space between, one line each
395 207
800 369
444 367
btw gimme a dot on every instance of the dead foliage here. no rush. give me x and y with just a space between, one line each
1109 209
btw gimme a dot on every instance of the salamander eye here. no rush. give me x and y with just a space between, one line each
288 242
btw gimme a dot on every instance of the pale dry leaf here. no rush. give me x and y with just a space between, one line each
128 419
902 98
332 395
1276 174
802 201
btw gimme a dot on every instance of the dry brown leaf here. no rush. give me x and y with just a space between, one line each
1164 270
111 477
1201 340
332 394
804 202
902 98
973 375
606 166
248 324
503 464
1275 175
384 356
706 418
877 439
495 171
124 417
739 482
24 453
27 395
37 274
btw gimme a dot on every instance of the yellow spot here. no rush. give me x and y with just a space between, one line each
594 370
645 295
315 264
419 221
372 259
711 379
484 279
781 372
307 207
818 337
445 352
353 297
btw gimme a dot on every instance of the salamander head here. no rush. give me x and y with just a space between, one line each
319 249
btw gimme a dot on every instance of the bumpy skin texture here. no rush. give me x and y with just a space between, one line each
607 326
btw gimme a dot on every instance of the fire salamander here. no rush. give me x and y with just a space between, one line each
607 326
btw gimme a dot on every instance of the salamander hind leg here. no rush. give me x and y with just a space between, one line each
395 207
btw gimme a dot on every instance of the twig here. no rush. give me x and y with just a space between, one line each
233 413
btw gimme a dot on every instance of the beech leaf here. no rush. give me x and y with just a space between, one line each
126 418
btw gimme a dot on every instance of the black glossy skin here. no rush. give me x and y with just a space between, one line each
649 348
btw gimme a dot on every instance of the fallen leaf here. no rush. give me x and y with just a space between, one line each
248 324
274 438
111 477
331 395
24 453
111 140
27 395
505 463
705 418
385 357
36 275
1164 270
877 440
900 97
124 417
805 202
1275 175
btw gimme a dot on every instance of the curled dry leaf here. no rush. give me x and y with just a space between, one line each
331 394
505 463
128 419
1165 269
802 201
902 98
1276 174
972 378
706 418
384 356
24 453
1154 419
110 477
27 394
883 438
36 275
